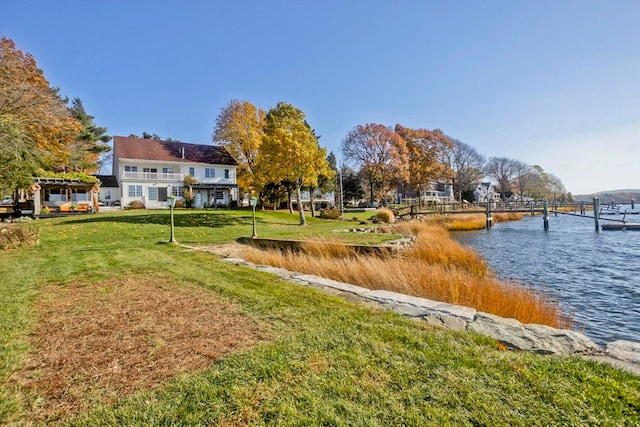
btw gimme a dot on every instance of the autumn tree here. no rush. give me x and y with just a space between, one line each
91 142
426 149
37 128
468 169
290 152
502 169
545 185
239 128
380 154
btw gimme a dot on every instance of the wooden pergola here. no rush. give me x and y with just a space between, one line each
62 194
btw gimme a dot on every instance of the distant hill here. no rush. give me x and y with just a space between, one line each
617 196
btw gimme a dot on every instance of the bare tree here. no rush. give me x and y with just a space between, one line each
467 165
502 169
524 176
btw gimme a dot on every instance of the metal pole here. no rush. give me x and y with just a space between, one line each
254 202
341 195
596 212
172 239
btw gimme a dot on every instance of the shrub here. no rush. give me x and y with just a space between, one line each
136 204
385 215
179 204
44 210
329 213
18 236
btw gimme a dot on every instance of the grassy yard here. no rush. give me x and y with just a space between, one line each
102 324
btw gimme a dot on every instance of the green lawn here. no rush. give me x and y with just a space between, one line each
329 362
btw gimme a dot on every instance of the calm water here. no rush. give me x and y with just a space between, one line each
594 275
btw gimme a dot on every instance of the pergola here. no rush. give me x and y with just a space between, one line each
61 194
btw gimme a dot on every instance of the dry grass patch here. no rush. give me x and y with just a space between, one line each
13 236
436 267
96 343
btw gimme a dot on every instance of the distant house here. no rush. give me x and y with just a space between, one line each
486 192
435 191
439 192
149 171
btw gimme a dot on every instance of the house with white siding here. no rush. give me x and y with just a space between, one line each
149 171
486 192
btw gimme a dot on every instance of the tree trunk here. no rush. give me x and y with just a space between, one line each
289 201
371 190
313 209
303 220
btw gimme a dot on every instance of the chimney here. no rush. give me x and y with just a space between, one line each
182 151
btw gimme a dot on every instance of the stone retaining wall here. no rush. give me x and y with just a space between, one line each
509 332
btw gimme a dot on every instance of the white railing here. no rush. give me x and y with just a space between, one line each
152 176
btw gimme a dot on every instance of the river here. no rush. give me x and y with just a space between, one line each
595 276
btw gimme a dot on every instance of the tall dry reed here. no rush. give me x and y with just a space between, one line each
436 267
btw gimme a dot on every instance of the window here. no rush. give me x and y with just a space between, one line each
131 169
226 173
135 191
192 171
152 170
219 194
107 194
167 170
209 173
153 193
177 191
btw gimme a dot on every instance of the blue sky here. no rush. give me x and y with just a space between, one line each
553 83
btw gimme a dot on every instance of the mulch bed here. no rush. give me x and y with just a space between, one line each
97 343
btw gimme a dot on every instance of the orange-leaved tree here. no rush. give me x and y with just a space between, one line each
36 126
380 154
427 149
239 129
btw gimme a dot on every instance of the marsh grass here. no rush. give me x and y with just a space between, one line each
435 267
471 221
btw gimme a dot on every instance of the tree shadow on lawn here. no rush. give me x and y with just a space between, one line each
181 220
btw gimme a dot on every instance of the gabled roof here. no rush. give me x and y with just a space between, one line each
166 151
107 180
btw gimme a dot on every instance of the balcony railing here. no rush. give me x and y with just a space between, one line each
152 176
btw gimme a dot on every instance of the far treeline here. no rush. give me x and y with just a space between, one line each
276 152
45 134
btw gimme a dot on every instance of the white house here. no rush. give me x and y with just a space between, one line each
486 192
439 191
148 170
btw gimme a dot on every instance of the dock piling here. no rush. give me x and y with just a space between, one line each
596 212
545 214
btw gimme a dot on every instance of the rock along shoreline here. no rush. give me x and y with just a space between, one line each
511 333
